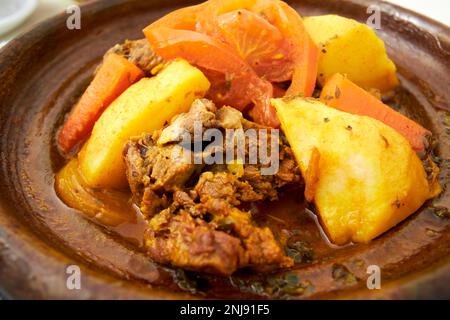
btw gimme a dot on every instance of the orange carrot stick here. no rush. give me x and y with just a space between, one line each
114 76
342 94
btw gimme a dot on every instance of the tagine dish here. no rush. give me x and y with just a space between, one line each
244 150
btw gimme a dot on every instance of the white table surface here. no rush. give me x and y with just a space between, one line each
436 9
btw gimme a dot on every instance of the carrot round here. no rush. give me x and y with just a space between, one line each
342 94
114 76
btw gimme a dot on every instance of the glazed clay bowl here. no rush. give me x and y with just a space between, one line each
43 72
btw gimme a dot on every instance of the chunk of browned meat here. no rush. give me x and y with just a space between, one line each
229 118
153 171
138 52
226 187
287 174
227 243
202 111
262 251
188 242
266 186
168 169
193 209
204 231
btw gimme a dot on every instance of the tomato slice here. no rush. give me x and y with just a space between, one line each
282 18
184 18
278 92
263 112
243 46
290 24
234 83
207 23
259 43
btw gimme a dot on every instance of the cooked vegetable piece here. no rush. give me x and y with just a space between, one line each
259 43
305 51
144 107
365 176
215 57
290 24
340 93
244 47
184 18
351 48
109 207
114 76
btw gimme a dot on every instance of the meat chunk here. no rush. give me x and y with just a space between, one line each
225 187
153 170
229 118
266 186
228 242
202 111
287 174
193 210
188 242
164 168
138 52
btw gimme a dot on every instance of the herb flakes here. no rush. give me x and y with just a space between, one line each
341 273
441 212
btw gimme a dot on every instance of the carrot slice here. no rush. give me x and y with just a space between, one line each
342 94
114 76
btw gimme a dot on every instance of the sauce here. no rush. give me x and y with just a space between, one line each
320 269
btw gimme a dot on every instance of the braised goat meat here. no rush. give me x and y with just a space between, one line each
194 214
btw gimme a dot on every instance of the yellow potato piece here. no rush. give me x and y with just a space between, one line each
352 48
367 178
143 107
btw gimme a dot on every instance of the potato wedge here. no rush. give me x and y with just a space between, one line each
352 48
143 107
366 176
